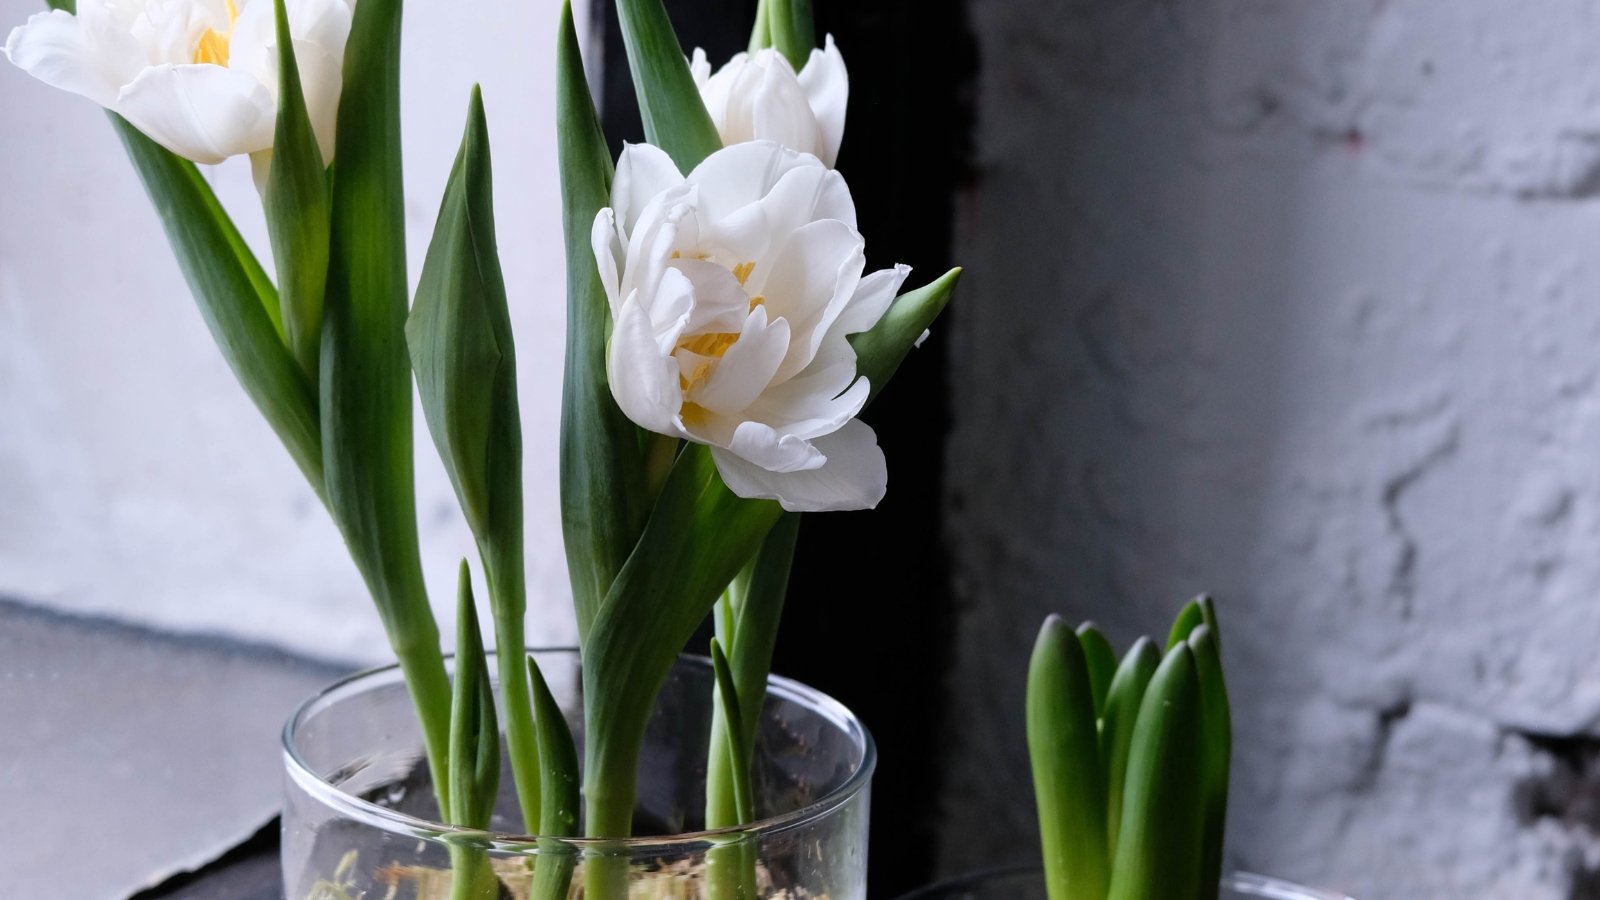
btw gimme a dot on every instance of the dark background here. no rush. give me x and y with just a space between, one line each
869 613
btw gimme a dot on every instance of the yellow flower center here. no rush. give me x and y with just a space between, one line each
213 46
711 345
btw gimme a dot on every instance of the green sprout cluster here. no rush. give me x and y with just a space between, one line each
1130 760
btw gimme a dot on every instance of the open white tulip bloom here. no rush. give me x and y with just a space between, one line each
200 77
760 97
731 292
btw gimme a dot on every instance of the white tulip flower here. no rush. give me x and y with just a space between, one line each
731 293
200 77
761 98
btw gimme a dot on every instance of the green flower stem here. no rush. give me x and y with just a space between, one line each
508 599
423 667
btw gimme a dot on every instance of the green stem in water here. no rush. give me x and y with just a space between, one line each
507 596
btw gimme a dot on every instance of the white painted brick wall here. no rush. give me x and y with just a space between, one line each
1298 303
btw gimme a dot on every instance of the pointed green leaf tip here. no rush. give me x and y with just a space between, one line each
675 118
881 349
1216 751
1102 662
459 331
559 779
1159 849
604 501
474 732
297 209
1064 751
1121 714
1189 618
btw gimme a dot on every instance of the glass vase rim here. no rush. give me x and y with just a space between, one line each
1263 886
394 821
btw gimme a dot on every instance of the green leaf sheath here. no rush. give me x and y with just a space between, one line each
296 205
1121 715
365 385
750 629
474 732
793 29
474 751
881 349
675 119
1189 618
604 503
1101 660
558 767
731 707
1065 753
1158 851
761 32
698 537
559 761
1216 753
459 333
234 296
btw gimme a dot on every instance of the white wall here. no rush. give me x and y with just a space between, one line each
136 480
1298 303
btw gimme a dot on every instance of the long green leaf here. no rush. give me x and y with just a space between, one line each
462 351
1158 852
234 296
1101 660
366 376
699 535
604 503
1118 721
296 204
751 631
881 349
793 28
1065 753
1217 752
675 118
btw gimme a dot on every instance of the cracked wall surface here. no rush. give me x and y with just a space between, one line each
1298 304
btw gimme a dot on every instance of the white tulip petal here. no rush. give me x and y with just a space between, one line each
203 112
762 446
604 241
855 476
810 283
644 381
741 174
720 304
699 68
747 368
827 88
52 47
321 80
807 407
644 171
779 110
874 295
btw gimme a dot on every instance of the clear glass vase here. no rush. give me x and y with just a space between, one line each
1027 883
360 819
